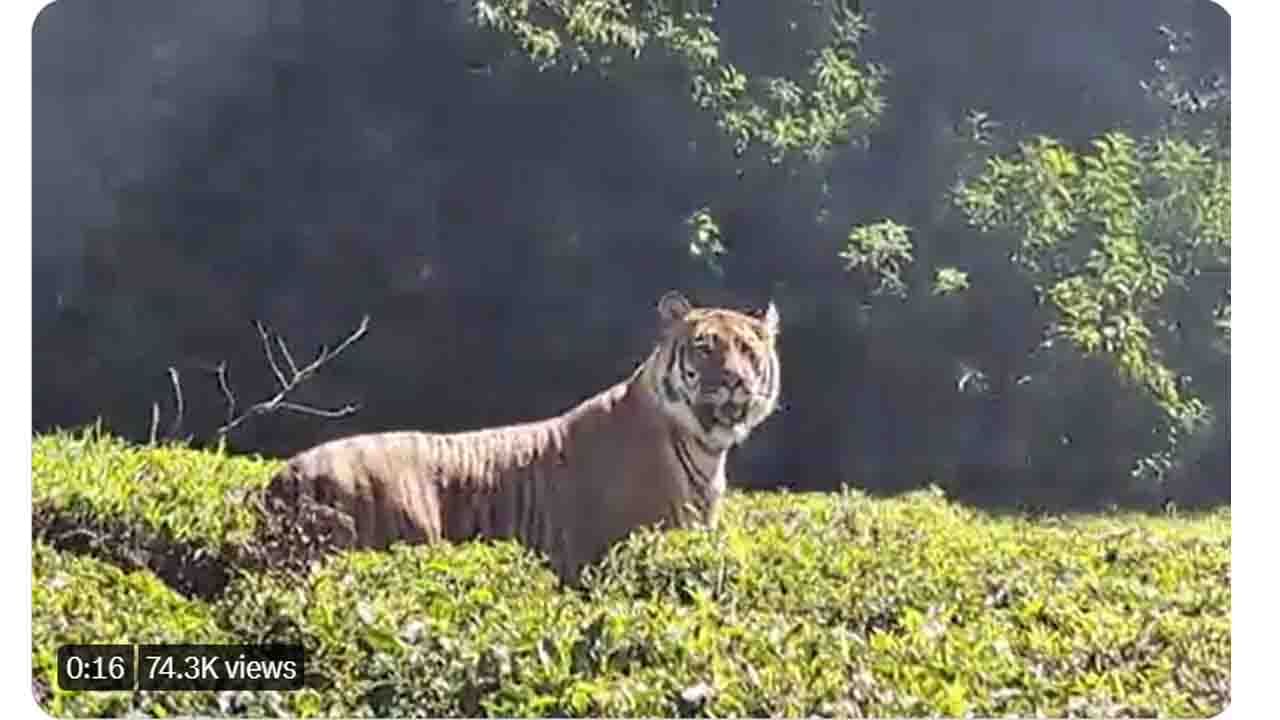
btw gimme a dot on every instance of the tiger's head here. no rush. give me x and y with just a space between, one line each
715 372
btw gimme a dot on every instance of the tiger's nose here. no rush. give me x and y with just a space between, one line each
720 395
732 381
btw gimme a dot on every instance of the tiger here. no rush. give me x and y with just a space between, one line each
650 451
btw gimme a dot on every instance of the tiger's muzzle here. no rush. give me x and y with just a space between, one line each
728 402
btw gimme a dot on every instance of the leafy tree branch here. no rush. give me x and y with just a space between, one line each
838 103
1110 233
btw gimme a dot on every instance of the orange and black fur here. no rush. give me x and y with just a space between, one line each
650 450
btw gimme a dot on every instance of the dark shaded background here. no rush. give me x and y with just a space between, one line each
304 162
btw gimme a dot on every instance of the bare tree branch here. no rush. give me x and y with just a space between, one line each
271 343
343 411
155 421
221 370
288 384
264 333
288 357
181 408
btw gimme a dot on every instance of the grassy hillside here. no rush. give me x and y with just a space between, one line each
798 605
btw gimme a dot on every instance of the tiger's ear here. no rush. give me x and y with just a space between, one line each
673 307
771 319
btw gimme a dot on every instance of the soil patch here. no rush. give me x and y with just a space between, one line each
41 691
191 570
291 537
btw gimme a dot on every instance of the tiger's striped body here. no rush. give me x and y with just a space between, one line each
650 450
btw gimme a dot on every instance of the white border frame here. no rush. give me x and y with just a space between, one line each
1253 625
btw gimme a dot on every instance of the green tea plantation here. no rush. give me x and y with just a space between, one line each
797 605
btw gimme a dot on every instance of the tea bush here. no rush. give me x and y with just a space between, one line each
798 604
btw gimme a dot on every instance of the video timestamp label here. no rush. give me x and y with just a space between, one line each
180 667
96 667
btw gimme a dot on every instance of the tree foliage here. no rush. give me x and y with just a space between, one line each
705 243
882 249
1119 235
838 102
